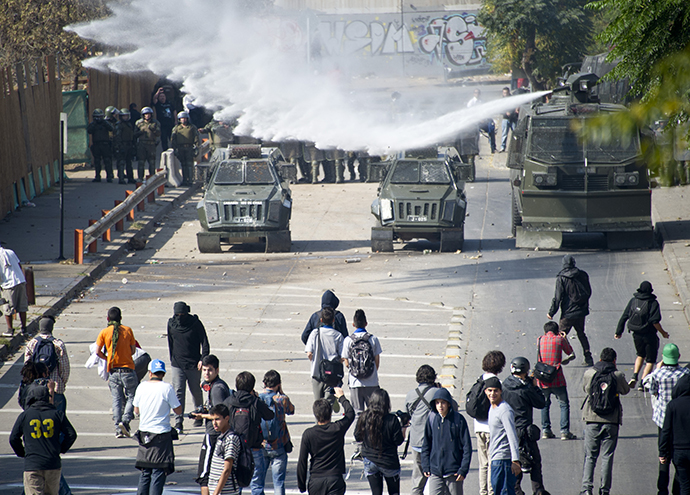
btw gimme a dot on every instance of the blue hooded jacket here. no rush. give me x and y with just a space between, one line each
447 446
328 300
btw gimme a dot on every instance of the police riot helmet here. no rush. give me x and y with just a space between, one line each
124 111
110 111
98 113
182 115
519 365
146 110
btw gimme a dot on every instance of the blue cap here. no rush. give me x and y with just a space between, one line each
157 366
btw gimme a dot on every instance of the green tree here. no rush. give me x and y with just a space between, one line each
31 29
641 34
539 36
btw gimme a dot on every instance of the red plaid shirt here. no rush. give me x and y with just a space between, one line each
551 349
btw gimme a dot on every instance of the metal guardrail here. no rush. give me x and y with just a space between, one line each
115 217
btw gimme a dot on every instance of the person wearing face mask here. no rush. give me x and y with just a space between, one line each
188 345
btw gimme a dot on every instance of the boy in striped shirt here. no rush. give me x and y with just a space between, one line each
221 478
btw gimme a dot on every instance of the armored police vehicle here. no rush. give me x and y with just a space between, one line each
419 198
246 200
563 184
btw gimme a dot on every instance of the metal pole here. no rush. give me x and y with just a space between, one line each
62 189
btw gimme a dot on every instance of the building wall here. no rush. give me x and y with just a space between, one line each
376 6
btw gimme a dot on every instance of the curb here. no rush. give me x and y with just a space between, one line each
668 252
95 269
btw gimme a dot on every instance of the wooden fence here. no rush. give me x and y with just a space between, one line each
119 90
30 105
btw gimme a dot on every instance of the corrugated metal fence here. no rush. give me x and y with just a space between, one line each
119 90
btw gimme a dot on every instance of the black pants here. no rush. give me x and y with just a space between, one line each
536 474
328 485
663 479
681 459
579 324
376 484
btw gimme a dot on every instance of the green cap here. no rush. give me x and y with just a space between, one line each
671 354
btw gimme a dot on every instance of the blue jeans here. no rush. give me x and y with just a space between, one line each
506 125
561 394
151 482
277 460
123 385
502 478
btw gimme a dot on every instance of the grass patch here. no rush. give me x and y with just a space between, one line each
4 341
137 225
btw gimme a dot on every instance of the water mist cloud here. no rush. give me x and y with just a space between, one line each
244 67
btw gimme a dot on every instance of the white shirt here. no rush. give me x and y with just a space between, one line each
11 271
331 346
373 379
473 101
155 399
478 424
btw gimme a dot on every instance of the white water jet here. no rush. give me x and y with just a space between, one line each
240 65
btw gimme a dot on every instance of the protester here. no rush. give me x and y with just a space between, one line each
447 447
222 480
524 395
218 392
325 344
380 433
328 300
323 449
188 345
13 290
118 341
361 355
488 125
55 357
551 347
508 121
153 402
660 384
643 316
572 298
674 440
34 374
504 445
277 444
602 413
40 434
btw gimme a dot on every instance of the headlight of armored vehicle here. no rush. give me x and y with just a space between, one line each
386 210
212 214
448 211
541 179
626 179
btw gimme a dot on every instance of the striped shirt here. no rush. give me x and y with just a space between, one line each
60 375
660 383
227 447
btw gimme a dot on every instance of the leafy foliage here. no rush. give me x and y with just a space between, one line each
641 34
540 36
34 29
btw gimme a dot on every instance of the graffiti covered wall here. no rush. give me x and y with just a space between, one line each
411 44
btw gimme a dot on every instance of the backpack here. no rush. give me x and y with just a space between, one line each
362 364
477 403
639 315
270 428
44 352
242 424
577 292
603 393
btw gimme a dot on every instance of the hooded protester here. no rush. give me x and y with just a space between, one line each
674 441
328 300
188 345
572 298
644 320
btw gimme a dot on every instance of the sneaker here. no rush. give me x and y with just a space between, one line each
122 181
641 387
9 333
198 423
108 179
179 429
547 434
125 429
119 433
632 382
97 179
569 359
566 435
588 360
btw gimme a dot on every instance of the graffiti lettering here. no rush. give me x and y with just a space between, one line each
347 38
457 38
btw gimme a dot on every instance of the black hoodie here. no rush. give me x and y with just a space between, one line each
328 300
523 396
258 410
40 428
653 312
675 435
187 341
561 299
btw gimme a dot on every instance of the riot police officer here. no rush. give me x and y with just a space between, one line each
185 141
148 131
125 148
101 145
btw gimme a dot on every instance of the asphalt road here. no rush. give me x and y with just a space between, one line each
422 306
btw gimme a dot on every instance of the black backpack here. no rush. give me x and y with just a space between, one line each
44 352
477 403
603 393
243 422
577 292
639 315
362 363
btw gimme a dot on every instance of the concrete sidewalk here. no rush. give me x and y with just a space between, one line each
33 234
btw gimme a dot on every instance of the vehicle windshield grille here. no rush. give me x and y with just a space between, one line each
258 173
229 173
420 172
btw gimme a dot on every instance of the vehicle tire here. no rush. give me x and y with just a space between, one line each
278 242
452 241
208 243
473 172
515 218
